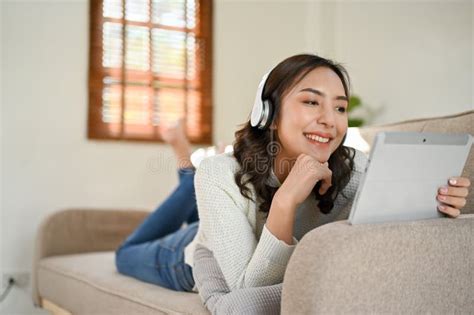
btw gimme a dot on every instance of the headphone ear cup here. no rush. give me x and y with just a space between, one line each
267 115
257 114
259 110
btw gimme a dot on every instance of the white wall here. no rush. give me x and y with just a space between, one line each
414 58
250 38
48 164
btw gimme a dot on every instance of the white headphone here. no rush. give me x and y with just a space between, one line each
262 110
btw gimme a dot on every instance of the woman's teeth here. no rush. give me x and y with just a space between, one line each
317 138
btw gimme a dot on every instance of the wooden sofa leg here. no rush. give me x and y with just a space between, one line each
53 308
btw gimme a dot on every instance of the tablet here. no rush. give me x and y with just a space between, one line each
403 174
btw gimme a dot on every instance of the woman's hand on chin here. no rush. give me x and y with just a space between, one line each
303 176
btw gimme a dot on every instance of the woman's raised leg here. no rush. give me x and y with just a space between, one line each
170 215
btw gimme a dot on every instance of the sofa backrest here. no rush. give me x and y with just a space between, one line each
458 123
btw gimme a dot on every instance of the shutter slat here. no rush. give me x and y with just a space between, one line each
138 48
137 10
113 9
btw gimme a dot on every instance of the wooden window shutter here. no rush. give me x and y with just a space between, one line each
150 63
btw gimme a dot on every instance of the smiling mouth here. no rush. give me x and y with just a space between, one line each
317 139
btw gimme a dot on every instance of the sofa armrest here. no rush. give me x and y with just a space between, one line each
424 266
75 231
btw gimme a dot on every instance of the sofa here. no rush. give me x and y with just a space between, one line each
424 266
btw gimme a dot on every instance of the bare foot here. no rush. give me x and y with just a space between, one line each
175 135
220 147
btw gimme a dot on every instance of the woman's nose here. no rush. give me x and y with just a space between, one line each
326 117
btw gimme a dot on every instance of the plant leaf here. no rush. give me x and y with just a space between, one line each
356 122
354 102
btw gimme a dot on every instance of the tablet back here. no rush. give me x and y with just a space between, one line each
403 174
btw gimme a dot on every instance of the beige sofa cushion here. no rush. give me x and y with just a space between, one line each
88 283
419 267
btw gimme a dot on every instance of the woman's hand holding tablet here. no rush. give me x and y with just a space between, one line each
453 196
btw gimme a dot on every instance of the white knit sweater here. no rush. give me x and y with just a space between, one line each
234 230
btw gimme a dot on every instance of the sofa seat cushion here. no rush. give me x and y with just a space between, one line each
90 284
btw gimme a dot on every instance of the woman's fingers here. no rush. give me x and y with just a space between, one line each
453 196
325 185
310 165
459 182
326 180
456 202
452 212
453 191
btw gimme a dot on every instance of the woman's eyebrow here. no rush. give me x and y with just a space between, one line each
340 97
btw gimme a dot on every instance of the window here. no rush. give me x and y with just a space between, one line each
150 63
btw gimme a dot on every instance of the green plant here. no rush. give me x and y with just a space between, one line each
355 102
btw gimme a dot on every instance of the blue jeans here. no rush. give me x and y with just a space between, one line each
154 252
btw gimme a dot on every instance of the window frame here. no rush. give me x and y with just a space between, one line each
97 129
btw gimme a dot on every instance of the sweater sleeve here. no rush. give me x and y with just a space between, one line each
244 260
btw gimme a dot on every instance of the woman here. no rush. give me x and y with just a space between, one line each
286 176
312 177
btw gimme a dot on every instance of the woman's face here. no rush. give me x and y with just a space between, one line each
313 116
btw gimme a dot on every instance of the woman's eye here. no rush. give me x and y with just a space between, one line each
342 110
311 102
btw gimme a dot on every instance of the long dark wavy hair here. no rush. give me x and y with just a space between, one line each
254 147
